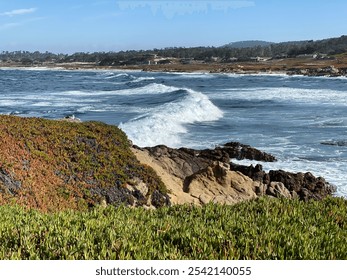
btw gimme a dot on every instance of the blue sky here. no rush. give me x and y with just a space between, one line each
68 26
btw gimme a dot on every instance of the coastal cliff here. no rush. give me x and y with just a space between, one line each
56 165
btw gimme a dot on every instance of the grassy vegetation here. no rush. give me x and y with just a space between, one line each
259 229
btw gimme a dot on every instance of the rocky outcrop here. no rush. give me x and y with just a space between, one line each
330 71
184 162
339 143
304 186
203 176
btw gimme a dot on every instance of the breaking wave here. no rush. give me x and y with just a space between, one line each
166 123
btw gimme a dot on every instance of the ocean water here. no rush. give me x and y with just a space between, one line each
300 120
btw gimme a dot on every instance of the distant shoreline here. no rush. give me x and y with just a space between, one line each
289 66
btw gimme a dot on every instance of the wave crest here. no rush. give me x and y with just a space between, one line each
165 124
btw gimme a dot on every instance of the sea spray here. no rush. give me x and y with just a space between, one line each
165 124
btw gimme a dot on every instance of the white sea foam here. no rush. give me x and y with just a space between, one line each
166 123
42 103
152 88
80 93
41 68
319 96
112 75
140 79
196 75
12 102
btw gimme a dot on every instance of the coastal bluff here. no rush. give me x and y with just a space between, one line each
54 165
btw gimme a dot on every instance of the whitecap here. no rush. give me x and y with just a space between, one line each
166 123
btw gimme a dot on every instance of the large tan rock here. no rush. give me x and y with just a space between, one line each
218 184
166 170
214 183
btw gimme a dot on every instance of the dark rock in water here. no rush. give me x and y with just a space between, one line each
330 71
241 151
305 186
255 173
190 161
335 143
7 183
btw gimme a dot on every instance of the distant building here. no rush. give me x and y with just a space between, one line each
261 59
159 60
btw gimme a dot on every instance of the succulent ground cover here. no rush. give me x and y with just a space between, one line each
55 165
264 228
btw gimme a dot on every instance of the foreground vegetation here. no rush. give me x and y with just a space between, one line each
259 229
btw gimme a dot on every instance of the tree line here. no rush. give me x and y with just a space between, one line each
225 53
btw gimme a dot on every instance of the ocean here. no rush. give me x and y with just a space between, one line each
302 121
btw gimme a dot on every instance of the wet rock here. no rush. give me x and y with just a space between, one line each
299 185
240 151
340 143
256 173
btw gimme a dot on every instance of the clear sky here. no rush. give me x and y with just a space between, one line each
68 26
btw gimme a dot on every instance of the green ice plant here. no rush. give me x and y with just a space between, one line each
258 229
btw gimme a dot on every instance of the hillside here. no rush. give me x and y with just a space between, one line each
248 44
55 165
